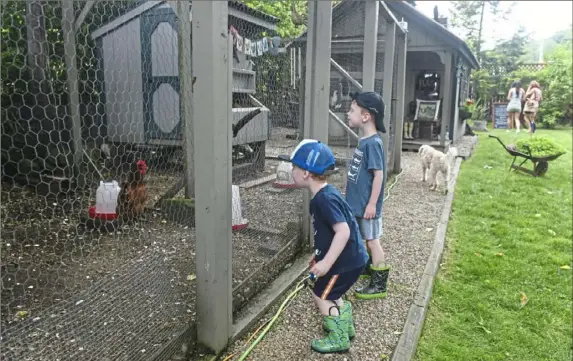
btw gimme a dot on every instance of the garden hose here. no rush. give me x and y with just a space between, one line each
297 289
393 184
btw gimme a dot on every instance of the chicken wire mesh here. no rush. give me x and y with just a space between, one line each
346 77
86 277
267 208
75 287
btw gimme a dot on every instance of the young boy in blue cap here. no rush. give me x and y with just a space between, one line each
339 253
365 187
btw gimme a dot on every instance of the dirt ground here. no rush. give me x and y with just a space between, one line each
55 271
411 214
67 290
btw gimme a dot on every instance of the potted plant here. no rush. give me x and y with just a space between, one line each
477 114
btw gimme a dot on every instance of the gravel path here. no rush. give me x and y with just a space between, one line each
410 217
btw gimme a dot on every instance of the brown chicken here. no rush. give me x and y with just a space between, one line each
133 194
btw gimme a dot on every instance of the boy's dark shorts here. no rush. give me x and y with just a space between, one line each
335 286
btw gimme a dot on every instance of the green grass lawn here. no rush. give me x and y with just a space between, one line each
504 289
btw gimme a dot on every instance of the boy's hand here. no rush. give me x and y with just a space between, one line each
320 268
370 211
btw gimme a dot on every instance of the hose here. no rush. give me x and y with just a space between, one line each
299 287
393 184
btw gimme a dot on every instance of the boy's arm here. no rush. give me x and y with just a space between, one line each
376 186
341 236
375 159
370 211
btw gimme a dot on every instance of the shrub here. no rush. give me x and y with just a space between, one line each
539 146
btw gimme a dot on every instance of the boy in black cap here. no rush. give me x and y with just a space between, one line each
339 253
365 186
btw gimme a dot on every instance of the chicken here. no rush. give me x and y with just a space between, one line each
133 194
334 99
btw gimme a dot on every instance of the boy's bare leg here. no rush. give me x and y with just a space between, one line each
326 307
378 259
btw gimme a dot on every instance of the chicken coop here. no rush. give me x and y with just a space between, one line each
139 73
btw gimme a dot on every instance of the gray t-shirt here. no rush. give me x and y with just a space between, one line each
368 156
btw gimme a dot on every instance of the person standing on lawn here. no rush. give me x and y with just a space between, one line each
339 253
365 187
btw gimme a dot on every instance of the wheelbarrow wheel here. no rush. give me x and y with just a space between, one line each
541 168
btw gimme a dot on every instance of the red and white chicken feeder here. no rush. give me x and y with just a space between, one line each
237 210
284 176
106 201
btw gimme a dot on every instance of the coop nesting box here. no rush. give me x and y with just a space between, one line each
237 210
139 75
284 176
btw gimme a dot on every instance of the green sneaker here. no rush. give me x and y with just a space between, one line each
377 288
345 313
337 339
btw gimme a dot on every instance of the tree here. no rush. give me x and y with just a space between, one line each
282 10
469 16
557 85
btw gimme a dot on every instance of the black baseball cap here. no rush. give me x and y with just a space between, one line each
372 102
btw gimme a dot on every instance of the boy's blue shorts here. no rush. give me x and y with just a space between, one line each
370 229
335 286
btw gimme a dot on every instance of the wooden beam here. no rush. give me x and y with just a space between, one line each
447 97
401 48
70 56
212 146
387 85
317 87
345 74
389 15
369 45
317 95
82 17
186 90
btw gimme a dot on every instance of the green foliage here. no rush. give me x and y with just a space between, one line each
531 54
477 110
282 10
539 146
508 241
558 86
469 17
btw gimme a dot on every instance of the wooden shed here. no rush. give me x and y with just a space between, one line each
437 53
139 68
437 62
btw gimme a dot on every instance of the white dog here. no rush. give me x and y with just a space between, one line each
437 162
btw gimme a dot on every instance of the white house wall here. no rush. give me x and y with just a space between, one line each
121 50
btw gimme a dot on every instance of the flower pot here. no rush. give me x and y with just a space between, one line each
480 125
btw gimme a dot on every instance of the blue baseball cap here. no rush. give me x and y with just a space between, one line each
313 156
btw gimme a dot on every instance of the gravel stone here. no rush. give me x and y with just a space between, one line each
411 214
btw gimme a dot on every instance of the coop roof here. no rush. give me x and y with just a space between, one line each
236 9
434 27
340 11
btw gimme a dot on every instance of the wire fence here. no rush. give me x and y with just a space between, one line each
96 266
98 237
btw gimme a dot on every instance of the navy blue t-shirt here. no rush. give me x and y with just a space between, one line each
327 208
368 156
